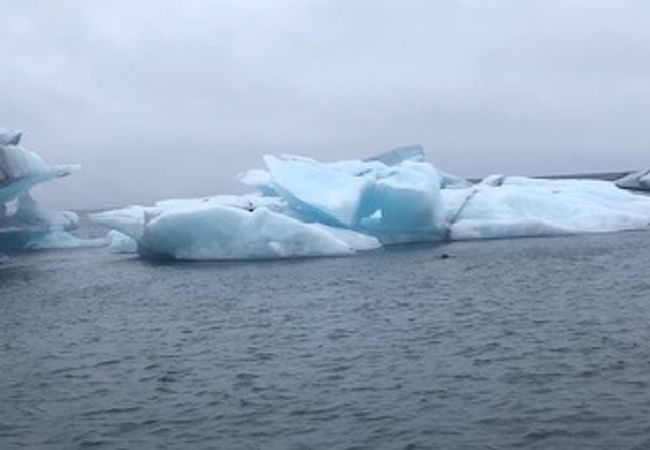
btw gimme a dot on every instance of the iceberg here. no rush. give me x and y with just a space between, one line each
23 223
218 230
506 207
394 203
301 207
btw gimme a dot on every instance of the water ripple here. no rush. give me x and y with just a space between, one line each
532 343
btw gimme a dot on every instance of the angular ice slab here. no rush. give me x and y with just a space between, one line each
21 169
303 207
23 223
217 230
395 203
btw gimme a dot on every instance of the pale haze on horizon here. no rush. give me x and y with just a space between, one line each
161 99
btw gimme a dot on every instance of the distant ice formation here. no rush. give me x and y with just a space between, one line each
302 207
24 223
639 181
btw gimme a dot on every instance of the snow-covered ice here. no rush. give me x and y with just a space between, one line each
505 207
303 207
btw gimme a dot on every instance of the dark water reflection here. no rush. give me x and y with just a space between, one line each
531 343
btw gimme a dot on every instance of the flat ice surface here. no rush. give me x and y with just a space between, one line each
520 206
304 207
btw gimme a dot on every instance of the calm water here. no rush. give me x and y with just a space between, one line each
529 343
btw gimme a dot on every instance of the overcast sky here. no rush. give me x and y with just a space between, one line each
159 98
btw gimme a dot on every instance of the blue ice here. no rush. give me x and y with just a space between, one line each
23 222
303 207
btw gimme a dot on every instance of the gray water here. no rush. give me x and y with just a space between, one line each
509 344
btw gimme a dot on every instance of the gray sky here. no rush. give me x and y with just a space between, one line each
160 99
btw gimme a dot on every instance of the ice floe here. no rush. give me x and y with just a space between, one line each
23 222
214 230
303 207
516 207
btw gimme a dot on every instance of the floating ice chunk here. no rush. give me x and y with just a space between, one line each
320 193
130 221
518 206
218 232
406 201
121 243
21 169
323 209
23 223
369 196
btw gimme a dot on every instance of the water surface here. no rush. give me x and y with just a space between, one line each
527 343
